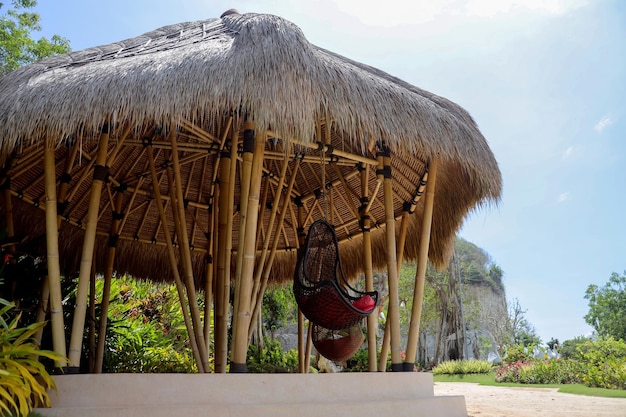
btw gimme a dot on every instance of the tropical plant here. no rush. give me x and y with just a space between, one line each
607 307
16 46
605 363
464 366
24 380
271 359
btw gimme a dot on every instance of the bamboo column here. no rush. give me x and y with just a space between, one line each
183 240
246 175
372 319
174 263
225 235
108 274
100 173
393 315
52 248
422 261
272 256
61 196
242 314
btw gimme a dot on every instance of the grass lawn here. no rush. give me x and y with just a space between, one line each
489 379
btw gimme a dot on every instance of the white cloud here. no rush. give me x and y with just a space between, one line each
605 122
398 12
568 152
563 197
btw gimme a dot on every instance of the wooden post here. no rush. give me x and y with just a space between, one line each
422 262
100 173
183 239
52 247
242 314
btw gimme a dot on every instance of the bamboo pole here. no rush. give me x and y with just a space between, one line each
183 239
246 177
372 319
52 248
225 235
91 336
256 291
174 263
422 261
300 342
209 270
392 263
100 174
384 350
279 223
336 152
242 316
106 287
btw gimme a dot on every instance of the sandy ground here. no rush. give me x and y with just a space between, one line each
484 401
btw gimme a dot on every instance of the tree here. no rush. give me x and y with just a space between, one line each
17 48
522 331
607 307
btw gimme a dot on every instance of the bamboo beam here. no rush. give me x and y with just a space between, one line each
183 239
174 264
326 148
100 174
52 249
243 315
422 262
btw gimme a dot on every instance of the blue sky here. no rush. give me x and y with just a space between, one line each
545 81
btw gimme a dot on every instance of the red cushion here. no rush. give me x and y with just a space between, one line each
365 303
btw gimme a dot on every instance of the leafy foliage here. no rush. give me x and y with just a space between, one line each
607 307
271 359
463 366
16 46
605 363
147 331
24 381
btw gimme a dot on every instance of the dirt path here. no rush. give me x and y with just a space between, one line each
485 401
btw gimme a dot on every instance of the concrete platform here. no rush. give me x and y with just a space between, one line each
249 395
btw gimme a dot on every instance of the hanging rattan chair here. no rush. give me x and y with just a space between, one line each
337 345
320 287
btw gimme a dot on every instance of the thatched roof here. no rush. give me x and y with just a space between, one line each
201 74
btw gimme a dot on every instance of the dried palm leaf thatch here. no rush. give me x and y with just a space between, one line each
203 78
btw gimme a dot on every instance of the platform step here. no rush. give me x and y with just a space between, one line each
250 395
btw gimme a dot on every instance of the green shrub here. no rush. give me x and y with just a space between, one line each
271 359
463 366
146 331
605 363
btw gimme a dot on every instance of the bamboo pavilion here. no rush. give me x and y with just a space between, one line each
201 153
